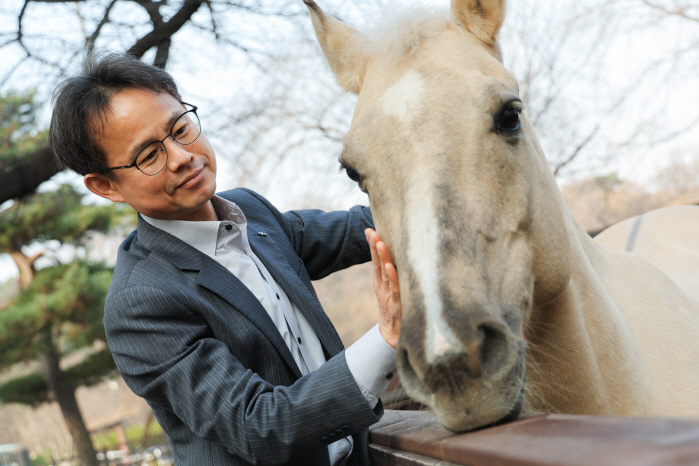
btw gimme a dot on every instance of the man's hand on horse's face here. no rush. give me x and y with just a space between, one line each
386 287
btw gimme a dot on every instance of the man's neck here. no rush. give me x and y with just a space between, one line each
205 213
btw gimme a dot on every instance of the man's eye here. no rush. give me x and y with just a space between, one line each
149 156
181 131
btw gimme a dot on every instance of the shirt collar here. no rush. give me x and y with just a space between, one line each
203 235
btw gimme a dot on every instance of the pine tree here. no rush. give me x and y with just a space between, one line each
59 308
19 135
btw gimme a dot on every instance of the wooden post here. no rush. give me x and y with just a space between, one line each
123 446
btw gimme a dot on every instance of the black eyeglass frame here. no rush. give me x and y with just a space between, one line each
162 142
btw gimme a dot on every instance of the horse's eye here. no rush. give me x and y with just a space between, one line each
353 175
509 119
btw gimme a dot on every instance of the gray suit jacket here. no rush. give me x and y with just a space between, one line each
192 340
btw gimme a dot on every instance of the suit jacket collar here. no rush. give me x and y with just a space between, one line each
217 279
184 256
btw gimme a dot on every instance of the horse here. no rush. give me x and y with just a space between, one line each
509 306
667 238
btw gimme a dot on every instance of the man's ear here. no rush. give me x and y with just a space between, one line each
103 186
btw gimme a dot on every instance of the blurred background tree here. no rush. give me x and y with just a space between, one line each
59 308
25 160
18 128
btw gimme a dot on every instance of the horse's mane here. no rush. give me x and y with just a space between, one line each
399 33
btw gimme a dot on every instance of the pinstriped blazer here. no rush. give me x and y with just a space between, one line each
193 341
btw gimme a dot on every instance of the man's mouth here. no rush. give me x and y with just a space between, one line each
191 179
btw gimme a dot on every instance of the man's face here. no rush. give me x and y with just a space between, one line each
182 190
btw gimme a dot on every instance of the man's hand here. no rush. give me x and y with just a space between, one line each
386 287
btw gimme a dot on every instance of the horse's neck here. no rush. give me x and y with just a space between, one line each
581 357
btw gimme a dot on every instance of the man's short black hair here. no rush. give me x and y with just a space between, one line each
80 104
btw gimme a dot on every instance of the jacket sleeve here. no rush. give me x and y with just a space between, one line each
326 241
168 355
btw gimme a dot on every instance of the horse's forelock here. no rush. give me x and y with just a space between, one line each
401 31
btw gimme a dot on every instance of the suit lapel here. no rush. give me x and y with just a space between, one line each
287 278
214 277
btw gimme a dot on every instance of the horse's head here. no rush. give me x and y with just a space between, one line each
461 194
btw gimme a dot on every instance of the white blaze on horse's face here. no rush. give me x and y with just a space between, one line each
402 100
453 175
424 260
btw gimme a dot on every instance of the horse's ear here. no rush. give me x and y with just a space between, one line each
337 40
482 18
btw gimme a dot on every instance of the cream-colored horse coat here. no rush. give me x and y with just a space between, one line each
662 249
508 304
668 238
642 328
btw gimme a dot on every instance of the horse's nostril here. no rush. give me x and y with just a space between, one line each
483 354
493 347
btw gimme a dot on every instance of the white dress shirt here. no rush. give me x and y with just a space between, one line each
370 359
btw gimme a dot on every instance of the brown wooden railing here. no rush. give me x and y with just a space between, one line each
415 438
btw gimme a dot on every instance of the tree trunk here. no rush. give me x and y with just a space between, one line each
64 394
22 177
26 274
25 265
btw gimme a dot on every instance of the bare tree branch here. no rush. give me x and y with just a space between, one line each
576 151
162 53
90 42
153 10
681 11
164 31
19 20
214 26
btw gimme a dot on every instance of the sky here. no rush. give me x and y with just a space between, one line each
585 56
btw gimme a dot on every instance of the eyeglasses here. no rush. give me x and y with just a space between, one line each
152 159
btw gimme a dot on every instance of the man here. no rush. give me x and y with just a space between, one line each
211 316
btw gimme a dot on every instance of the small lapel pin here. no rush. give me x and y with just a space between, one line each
261 233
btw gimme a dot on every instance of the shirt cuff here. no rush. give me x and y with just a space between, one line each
372 363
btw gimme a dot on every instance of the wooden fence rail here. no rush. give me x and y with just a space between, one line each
415 438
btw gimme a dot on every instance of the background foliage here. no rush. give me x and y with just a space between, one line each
19 133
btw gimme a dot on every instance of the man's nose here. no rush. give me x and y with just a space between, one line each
178 154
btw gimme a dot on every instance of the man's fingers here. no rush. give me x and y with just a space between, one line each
384 270
392 275
387 290
371 239
384 258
